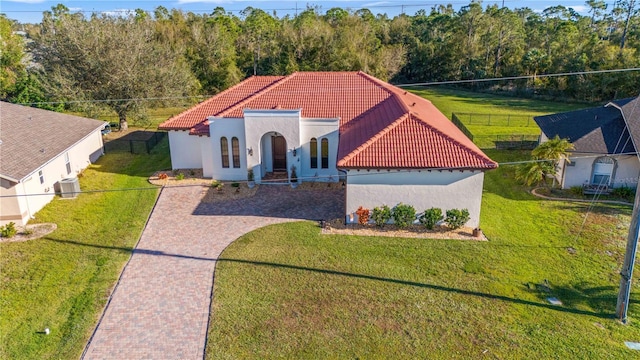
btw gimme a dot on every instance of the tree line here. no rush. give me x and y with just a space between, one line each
171 53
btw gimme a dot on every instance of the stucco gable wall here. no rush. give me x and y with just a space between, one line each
423 190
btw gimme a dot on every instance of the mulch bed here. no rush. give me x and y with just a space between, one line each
412 231
193 177
31 232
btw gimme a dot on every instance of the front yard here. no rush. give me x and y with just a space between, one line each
63 280
288 291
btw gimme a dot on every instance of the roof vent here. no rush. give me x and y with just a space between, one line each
405 93
414 104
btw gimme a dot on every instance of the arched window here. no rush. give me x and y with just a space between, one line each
602 170
235 151
224 151
313 153
324 151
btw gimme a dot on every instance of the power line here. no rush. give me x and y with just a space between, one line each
519 77
325 89
317 179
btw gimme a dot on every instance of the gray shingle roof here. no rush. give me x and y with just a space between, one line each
30 137
601 130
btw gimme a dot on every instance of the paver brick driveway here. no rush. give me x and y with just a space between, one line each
160 307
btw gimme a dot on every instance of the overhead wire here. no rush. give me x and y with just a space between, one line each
325 89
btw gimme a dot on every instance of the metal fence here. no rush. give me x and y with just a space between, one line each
502 142
496 119
506 142
460 125
134 146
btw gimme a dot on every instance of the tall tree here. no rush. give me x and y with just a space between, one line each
12 66
116 61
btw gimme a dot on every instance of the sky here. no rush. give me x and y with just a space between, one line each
26 11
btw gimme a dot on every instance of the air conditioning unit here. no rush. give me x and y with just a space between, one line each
69 188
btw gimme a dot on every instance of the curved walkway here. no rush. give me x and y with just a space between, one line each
534 193
160 307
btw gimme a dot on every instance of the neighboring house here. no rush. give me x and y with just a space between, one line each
606 140
38 148
389 145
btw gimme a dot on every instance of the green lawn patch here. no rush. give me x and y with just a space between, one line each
485 131
62 281
286 291
453 100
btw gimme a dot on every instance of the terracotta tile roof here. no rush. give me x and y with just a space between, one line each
214 105
32 137
381 126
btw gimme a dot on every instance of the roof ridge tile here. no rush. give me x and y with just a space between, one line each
258 94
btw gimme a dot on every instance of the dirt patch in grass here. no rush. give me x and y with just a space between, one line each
412 231
30 232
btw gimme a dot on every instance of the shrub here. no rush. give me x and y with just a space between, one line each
430 217
381 215
217 185
235 185
180 176
457 218
8 230
576 190
403 215
163 176
624 192
363 215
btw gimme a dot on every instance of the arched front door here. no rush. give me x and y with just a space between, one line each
279 153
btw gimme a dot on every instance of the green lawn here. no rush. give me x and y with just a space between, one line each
62 281
286 291
155 115
453 100
449 101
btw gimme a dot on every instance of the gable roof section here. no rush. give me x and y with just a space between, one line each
600 130
631 115
32 137
381 126
219 103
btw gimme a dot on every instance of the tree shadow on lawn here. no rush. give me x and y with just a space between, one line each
572 295
578 298
581 295
600 209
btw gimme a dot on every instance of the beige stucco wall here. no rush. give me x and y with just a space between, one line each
421 189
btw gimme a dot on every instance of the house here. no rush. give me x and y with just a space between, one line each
388 145
38 148
605 139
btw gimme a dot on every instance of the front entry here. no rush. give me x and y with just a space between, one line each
279 151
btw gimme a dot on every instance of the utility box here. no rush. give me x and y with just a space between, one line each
69 188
